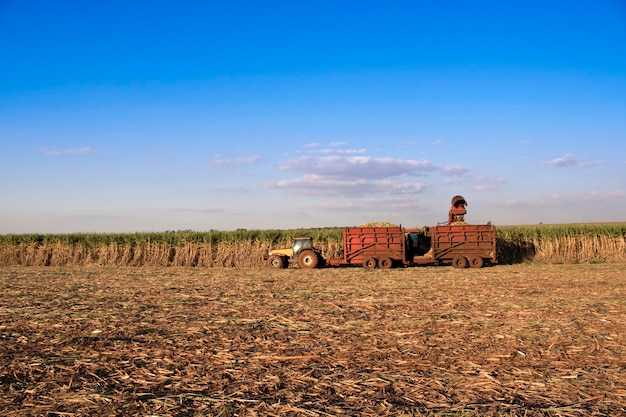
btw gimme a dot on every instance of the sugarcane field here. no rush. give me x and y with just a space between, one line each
521 339
371 320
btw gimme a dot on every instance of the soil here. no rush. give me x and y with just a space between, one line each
516 340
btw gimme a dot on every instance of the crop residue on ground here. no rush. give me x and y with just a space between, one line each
513 340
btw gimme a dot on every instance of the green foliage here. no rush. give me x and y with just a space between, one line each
276 238
173 238
550 232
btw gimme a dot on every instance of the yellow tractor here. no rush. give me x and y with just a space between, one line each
303 253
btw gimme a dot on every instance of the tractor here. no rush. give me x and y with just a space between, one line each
303 253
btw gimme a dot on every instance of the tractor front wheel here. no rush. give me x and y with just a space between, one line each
276 261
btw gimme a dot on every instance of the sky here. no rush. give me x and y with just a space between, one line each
142 116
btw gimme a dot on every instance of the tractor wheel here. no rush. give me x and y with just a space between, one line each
308 259
459 262
385 263
369 263
476 262
276 261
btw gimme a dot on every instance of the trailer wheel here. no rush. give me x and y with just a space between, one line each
459 262
276 261
308 259
369 263
476 262
385 263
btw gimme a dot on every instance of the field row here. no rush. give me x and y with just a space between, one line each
580 249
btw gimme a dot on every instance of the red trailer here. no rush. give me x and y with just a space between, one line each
373 246
385 247
459 245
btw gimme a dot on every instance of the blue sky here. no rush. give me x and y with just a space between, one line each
151 115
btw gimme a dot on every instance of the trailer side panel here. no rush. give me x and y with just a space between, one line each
466 241
361 243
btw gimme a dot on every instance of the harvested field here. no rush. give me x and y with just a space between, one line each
515 340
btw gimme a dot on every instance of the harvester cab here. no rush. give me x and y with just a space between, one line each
302 252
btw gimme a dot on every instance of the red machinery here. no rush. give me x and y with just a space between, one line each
373 246
456 243
457 211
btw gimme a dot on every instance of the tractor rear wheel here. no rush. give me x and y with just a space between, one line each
276 261
308 259
459 262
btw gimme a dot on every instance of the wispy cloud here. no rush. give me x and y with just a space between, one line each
198 210
248 159
484 187
363 167
453 170
72 151
337 151
334 148
486 183
556 199
568 160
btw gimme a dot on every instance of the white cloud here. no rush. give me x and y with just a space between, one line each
318 185
249 159
556 200
335 170
334 148
72 151
337 151
312 145
483 187
603 195
453 170
568 160
360 167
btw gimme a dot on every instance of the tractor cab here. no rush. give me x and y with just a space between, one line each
300 243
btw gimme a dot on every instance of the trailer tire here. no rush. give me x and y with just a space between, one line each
276 261
385 263
459 262
308 259
369 263
476 262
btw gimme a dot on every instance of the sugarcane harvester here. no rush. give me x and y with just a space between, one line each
455 243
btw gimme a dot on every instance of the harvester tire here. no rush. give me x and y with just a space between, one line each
276 261
385 263
459 262
476 262
369 263
308 259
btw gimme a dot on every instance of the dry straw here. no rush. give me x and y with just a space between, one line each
245 248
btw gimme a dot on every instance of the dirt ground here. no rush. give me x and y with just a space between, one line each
519 340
